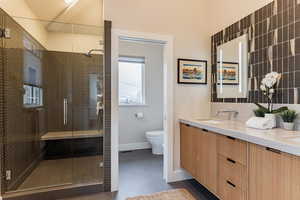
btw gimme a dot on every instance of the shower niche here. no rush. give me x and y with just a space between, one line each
51 106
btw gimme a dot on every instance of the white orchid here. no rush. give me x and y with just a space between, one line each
270 80
263 88
273 75
268 84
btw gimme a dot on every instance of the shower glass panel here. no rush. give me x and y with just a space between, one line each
88 104
54 104
37 82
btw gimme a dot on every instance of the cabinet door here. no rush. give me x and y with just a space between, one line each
290 177
265 174
207 159
201 158
187 148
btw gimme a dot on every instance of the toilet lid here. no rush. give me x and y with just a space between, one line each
155 133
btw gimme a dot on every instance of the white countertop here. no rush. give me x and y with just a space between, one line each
280 139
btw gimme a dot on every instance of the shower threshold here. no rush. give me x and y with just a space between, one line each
56 192
60 174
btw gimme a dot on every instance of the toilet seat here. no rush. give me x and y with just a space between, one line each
154 133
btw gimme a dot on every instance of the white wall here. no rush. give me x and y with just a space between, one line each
20 8
132 130
187 22
226 12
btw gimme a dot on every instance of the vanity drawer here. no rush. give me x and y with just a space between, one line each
229 191
233 148
233 171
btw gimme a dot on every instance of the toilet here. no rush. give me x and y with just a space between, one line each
156 139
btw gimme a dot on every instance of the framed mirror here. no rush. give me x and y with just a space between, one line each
232 68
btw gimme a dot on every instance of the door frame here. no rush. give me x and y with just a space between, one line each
169 82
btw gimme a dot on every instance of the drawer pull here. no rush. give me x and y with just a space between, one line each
231 184
205 130
231 138
230 160
187 125
273 150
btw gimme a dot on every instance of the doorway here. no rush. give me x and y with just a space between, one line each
166 43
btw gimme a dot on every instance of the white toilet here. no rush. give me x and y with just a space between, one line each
156 139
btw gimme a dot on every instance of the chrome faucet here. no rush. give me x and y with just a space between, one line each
232 114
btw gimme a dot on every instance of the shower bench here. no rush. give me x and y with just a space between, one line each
63 135
68 144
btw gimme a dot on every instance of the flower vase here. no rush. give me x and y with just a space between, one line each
272 118
288 126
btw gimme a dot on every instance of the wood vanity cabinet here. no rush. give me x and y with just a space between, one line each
198 150
273 174
237 170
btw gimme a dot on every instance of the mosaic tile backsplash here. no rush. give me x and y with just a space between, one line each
273 45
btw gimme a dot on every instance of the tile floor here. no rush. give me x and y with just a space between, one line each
141 173
80 170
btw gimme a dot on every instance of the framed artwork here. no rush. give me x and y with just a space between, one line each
192 71
230 72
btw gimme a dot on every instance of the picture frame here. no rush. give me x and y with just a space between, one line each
192 71
231 73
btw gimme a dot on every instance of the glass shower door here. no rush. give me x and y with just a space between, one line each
53 106
38 112
87 107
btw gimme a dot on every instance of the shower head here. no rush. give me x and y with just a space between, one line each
89 54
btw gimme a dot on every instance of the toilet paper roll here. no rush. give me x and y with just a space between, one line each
139 115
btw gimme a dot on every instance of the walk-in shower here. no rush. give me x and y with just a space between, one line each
51 105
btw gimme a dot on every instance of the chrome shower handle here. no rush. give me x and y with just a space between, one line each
65 111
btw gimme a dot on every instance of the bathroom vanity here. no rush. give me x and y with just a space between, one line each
239 163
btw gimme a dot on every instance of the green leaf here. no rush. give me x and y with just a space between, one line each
262 108
259 112
280 110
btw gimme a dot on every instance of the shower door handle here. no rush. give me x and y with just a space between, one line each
65 111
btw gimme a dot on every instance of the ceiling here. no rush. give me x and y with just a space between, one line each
84 12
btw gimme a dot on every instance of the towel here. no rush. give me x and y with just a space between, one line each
260 123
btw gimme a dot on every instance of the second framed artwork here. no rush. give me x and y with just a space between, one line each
229 72
192 71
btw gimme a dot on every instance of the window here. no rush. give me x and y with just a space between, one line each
33 96
32 75
131 81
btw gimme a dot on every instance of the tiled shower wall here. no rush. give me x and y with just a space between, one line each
273 45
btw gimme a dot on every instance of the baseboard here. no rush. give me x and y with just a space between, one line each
134 146
179 175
